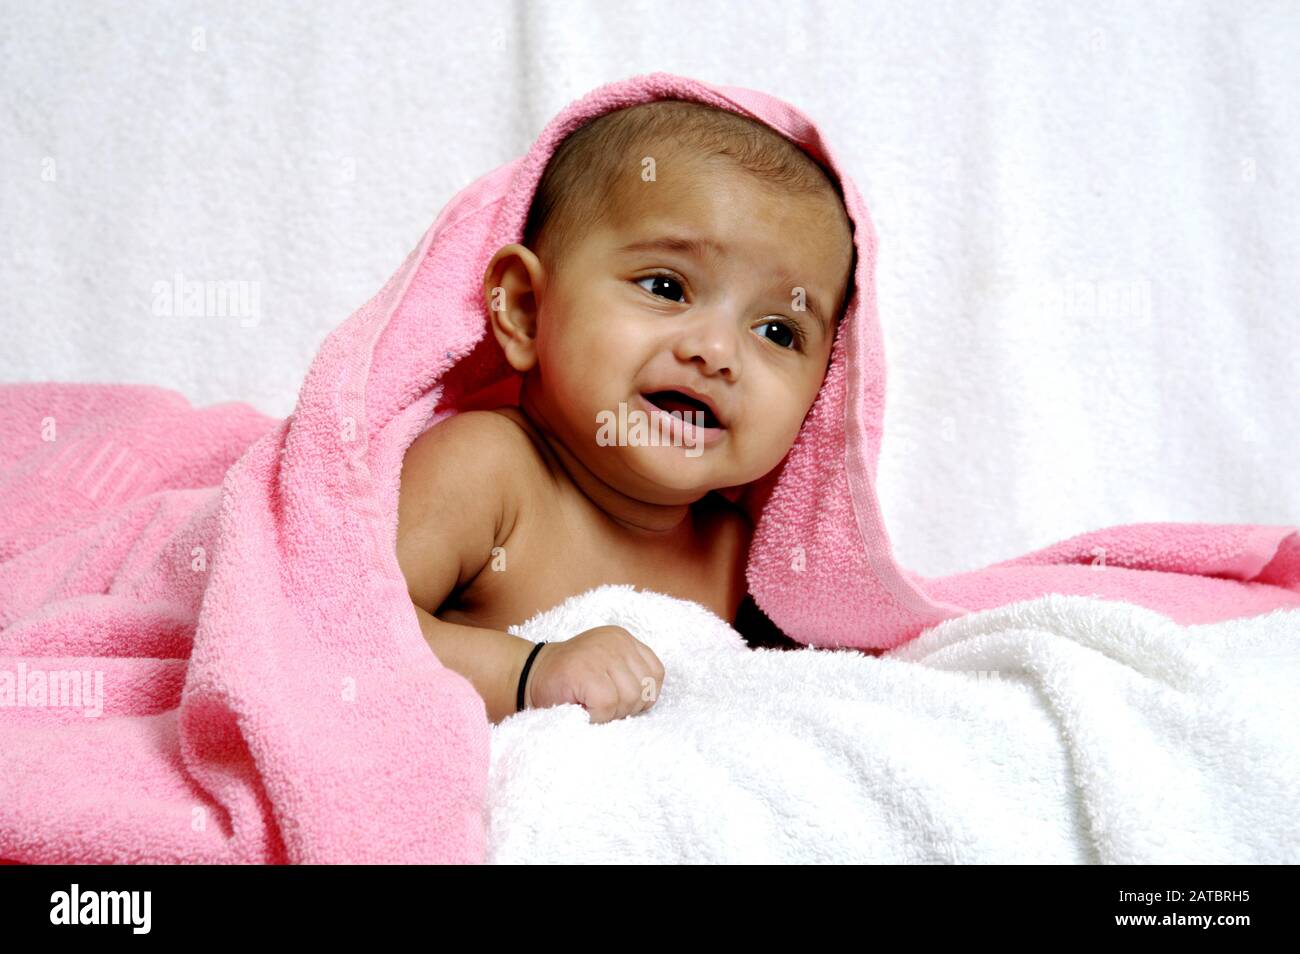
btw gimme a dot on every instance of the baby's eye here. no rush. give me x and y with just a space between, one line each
662 283
787 331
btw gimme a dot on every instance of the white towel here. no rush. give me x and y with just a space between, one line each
1057 730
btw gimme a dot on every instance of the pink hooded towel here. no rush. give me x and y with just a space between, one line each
229 582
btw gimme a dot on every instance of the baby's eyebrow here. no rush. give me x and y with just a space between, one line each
786 283
708 248
698 247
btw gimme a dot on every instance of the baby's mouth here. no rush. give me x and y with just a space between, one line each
683 404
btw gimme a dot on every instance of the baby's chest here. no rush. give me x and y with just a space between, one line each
543 562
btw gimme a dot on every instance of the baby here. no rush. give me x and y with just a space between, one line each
682 266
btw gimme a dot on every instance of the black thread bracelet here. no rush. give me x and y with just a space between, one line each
523 676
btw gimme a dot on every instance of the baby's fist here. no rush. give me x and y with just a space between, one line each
606 670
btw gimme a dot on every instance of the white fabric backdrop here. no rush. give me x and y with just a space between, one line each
1088 215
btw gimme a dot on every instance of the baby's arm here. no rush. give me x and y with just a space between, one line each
456 495
490 659
452 502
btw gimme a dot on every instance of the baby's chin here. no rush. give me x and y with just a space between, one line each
664 474
668 473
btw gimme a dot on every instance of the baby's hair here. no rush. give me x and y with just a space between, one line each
579 186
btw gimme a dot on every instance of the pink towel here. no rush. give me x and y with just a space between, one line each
230 582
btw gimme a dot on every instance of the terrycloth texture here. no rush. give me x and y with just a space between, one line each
268 695
1060 730
251 682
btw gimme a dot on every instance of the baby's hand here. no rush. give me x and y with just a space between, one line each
607 670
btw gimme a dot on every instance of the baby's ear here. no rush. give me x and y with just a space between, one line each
510 285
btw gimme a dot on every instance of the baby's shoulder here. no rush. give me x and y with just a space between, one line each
520 436
492 448
458 491
470 432
479 448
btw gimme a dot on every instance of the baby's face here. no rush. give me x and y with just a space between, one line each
628 312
